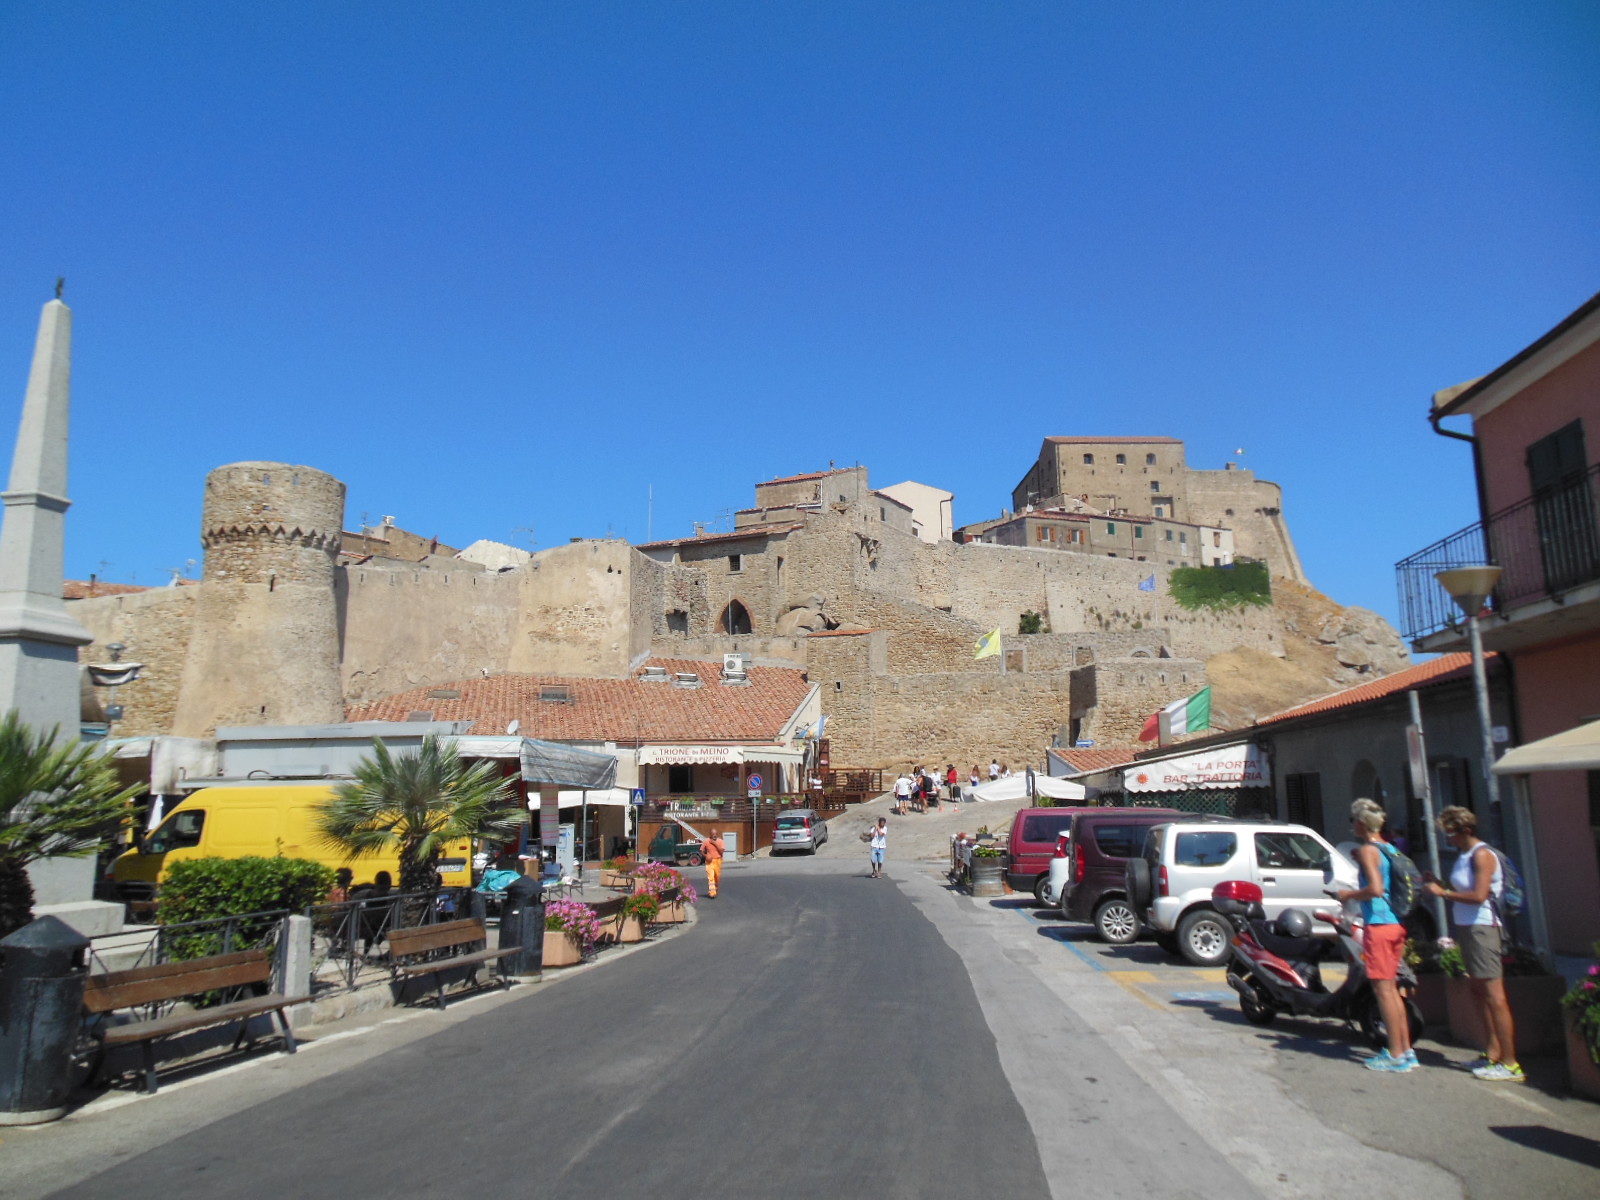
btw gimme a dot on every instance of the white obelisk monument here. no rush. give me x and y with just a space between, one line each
38 640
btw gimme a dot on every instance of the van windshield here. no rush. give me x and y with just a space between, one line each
178 831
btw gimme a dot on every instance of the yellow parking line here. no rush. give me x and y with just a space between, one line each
1133 976
1134 990
1207 974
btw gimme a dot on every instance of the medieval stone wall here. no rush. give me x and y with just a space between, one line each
155 627
1112 699
1253 509
574 608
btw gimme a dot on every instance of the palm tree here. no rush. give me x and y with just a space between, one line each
58 799
416 803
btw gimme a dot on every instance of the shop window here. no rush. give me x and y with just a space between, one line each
680 779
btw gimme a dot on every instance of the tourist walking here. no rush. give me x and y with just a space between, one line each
902 794
1384 939
1476 884
879 846
713 849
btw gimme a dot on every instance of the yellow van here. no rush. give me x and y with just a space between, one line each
234 822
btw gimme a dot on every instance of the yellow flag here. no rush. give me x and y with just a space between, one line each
988 645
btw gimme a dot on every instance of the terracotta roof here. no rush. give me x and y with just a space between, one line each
806 476
1097 760
771 529
1439 670
612 709
1119 441
77 589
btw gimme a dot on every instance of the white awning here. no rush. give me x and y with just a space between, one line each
678 756
1239 765
569 798
1575 749
1015 787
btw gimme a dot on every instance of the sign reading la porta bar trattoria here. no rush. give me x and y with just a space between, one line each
1236 766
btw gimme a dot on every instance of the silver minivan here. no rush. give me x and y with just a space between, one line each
799 829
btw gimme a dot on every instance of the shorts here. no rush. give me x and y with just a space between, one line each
877 854
1481 951
1381 947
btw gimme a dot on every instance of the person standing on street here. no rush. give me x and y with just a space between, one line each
953 778
713 850
902 794
879 846
1476 885
994 768
1384 939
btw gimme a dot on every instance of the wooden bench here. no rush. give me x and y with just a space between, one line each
446 935
180 981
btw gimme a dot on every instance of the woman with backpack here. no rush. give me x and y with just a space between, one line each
1477 884
1384 938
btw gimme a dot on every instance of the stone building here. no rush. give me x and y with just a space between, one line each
1143 539
826 576
1149 477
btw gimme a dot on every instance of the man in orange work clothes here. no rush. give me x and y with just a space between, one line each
713 850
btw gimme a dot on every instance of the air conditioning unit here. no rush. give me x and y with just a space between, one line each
735 662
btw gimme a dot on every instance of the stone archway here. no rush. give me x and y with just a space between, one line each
735 620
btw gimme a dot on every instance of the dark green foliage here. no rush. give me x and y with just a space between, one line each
1031 622
1244 583
59 798
206 889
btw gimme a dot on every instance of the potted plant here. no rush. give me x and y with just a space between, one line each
1533 993
1581 1008
571 930
614 872
638 910
988 867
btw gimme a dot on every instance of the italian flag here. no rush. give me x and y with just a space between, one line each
1179 717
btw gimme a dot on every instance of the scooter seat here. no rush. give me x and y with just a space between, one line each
1295 950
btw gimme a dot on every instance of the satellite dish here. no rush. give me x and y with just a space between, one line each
514 726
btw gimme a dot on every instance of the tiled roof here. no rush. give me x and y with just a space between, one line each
806 476
770 529
1119 441
612 709
78 589
1097 760
1439 670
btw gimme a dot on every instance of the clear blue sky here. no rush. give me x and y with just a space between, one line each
505 265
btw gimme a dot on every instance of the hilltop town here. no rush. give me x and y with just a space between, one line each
872 597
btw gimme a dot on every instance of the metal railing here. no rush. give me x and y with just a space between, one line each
186 940
349 940
1545 545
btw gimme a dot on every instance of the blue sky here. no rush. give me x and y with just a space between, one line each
506 266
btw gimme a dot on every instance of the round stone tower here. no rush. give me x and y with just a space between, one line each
264 649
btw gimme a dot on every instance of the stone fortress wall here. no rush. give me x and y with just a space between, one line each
885 624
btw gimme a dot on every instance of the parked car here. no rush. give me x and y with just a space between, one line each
1033 844
799 829
1181 861
1090 882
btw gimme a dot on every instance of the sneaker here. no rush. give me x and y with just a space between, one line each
1410 1056
1383 1062
1501 1073
1483 1060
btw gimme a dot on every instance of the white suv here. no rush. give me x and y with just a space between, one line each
1183 860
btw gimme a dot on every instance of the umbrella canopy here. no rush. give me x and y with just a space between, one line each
1016 788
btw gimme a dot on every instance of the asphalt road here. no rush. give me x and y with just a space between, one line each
820 1034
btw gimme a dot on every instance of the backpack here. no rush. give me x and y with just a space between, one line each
1513 897
1405 881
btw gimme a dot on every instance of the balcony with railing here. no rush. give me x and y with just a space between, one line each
1548 547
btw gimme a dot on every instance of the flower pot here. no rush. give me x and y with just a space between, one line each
1582 1073
616 879
1535 1003
988 876
630 929
561 949
674 914
1431 999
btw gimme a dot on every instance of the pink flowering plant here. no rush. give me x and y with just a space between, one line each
656 878
575 918
1584 1001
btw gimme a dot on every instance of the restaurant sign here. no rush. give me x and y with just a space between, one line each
1241 765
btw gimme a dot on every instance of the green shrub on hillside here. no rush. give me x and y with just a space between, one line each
1221 587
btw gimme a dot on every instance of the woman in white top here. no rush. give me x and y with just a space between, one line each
1476 883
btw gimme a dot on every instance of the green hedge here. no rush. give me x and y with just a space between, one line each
206 889
1242 584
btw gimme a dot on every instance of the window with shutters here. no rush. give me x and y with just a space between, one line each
1303 794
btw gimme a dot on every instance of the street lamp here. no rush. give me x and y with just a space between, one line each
1470 587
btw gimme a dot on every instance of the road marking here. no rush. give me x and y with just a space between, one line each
1133 989
1202 997
1133 976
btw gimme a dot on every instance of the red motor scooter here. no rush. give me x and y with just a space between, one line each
1276 965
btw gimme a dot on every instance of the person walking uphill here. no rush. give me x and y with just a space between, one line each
1384 939
713 849
1477 882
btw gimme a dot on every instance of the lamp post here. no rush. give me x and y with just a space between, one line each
1470 587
